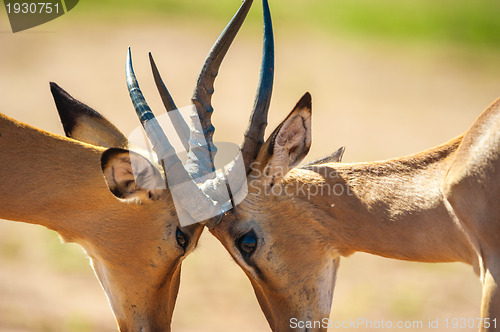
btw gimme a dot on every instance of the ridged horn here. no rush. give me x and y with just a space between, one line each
235 174
202 96
254 135
160 142
184 190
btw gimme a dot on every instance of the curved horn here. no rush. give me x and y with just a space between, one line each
160 142
202 96
200 164
254 135
181 127
185 191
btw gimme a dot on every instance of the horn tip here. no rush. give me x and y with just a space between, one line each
129 59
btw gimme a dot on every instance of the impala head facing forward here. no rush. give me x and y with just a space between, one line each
265 241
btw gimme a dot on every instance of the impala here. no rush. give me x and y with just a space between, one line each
289 233
114 202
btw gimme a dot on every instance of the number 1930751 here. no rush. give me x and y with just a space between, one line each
33 8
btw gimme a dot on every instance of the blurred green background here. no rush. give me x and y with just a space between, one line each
456 22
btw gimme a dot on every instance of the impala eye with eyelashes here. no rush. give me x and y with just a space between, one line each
247 243
181 238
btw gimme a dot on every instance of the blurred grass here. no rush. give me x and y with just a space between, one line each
406 302
457 22
78 322
10 249
70 259
75 322
66 258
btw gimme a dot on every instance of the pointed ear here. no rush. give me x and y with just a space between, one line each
130 175
335 157
287 146
82 123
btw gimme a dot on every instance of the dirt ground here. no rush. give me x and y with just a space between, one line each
378 99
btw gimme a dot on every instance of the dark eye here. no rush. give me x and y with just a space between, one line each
181 238
247 244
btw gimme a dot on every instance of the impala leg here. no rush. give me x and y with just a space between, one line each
490 303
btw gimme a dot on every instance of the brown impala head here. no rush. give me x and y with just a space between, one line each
138 261
265 233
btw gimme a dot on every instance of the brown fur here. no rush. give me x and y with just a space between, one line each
58 183
439 205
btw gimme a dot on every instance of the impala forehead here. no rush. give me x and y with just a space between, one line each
239 227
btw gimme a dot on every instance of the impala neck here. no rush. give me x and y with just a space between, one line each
58 183
392 208
50 180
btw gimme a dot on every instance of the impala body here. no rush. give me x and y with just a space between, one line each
290 232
